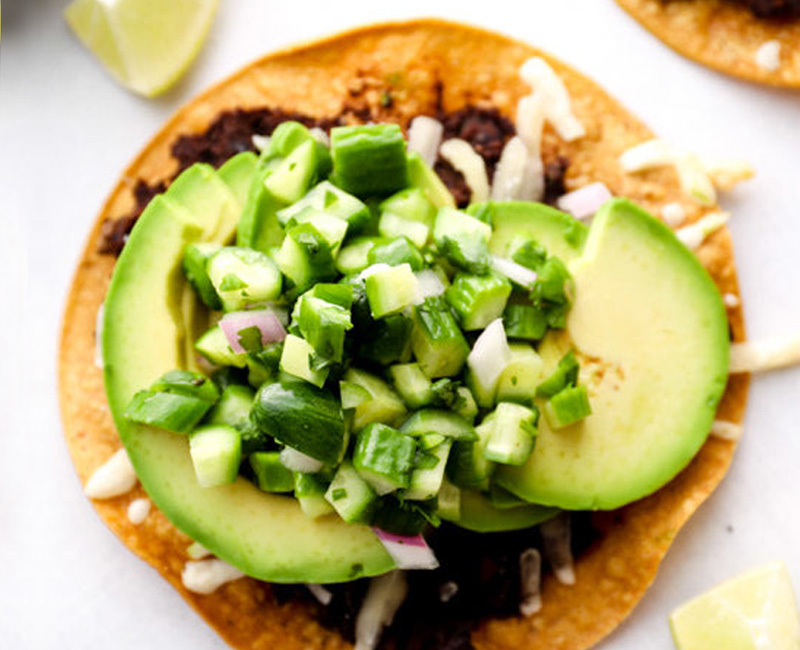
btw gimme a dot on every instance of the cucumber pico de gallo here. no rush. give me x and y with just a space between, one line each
359 355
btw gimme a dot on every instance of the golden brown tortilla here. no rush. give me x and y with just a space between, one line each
474 66
722 35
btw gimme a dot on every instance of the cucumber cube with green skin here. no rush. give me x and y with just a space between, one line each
354 257
242 277
441 422
258 226
513 434
567 407
452 223
286 137
468 251
338 294
169 411
270 473
186 382
484 395
326 197
409 213
436 339
465 404
390 290
370 159
214 346
384 457
426 478
384 405
292 178
309 490
350 495
195 263
421 176
412 384
524 322
520 378
353 395
216 452
323 325
478 299
400 516
296 360
332 229
233 407
387 340
448 501
565 374
305 257
302 417
396 252
467 466
391 225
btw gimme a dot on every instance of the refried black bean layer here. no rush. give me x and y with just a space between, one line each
768 9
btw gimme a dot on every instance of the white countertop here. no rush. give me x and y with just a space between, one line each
67 131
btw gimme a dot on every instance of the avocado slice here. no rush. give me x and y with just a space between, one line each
479 514
238 173
145 332
650 330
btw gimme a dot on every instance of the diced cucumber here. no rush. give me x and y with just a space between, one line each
384 457
296 360
337 294
195 268
169 411
521 376
305 257
214 346
412 384
291 179
423 177
323 325
186 382
286 137
370 159
514 430
502 499
332 229
439 421
233 407
354 257
396 252
216 452
258 226
326 197
565 374
309 490
388 340
350 495
391 225
271 474
353 395
478 299
465 404
390 289
454 223
437 341
524 322
448 501
242 277
409 213
384 405
567 407
426 478
468 467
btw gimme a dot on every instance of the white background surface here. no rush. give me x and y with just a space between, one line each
67 131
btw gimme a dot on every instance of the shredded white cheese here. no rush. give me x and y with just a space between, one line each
460 154
726 430
138 510
424 137
320 136
694 180
647 155
261 142
731 300
206 576
768 56
556 547
98 338
197 551
530 123
673 214
114 477
447 591
519 176
727 173
695 234
760 356
319 592
530 566
556 101
385 595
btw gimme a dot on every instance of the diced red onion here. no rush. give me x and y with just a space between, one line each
408 552
424 137
429 285
530 577
556 547
490 355
584 202
323 595
264 319
297 461
517 273
385 595
460 154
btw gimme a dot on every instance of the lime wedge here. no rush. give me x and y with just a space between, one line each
147 45
754 611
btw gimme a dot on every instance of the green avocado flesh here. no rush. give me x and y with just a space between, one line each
478 514
650 330
266 536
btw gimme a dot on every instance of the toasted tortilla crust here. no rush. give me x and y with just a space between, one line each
722 35
474 66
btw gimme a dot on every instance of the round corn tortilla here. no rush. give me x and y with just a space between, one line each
473 66
722 35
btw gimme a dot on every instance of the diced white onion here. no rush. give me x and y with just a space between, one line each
768 56
429 285
726 430
726 173
695 234
515 272
460 154
324 596
114 477
760 356
490 355
197 551
518 176
385 595
530 576
206 576
297 461
98 338
647 155
320 136
408 552
694 180
447 591
424 137
556 547
584 202
556 100
673 214
138 509
261 142
731 300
